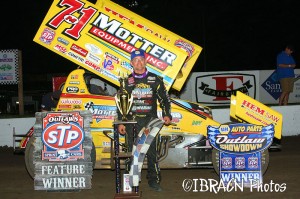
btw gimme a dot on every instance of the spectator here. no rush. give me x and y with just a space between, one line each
50 100
285 73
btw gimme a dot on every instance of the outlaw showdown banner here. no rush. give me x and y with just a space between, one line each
100 38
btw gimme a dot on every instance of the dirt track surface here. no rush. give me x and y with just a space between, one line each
284 167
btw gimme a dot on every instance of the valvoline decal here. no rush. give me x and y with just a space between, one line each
63 136
241 138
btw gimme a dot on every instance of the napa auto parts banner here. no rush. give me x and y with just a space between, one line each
99 40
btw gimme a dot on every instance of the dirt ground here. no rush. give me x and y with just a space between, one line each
283 171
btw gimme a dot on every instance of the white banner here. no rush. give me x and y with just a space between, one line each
215 88
9 66
270 88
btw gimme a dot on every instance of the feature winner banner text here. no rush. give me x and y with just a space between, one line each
101 41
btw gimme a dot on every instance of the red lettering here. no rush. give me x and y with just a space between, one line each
72 6
223 83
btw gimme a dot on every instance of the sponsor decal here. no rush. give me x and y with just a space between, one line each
74 76
141 91
62 137
94 58
64 106
81 51
196 123
74 82
130 80
176 116
226 162
77 107
72 89
222 86
6 59
108 65
112 58
240 162
92 65
93 49
258 113
63 41
150 78
122 38
5 67
133 22
6 77
185 46
126 65
272 86
60 48
101 112
71 101
76 57
106 144
47 36
109 75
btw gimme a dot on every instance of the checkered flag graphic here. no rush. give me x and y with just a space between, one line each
140 148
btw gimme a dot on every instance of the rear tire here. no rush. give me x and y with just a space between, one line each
264 161
29 157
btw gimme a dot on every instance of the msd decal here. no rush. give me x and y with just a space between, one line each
62 137
217 88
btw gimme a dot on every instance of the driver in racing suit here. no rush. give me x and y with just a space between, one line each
146 88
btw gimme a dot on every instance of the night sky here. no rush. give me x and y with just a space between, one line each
235 34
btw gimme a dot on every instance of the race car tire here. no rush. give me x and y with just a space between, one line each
29 157
264 160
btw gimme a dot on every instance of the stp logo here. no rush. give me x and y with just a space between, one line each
66 136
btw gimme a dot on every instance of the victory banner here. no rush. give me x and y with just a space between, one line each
240 146
99 40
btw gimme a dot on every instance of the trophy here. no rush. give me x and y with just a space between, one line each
123 99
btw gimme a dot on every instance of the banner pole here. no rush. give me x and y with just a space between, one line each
20 84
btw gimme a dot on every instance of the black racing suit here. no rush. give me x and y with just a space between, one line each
147 89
